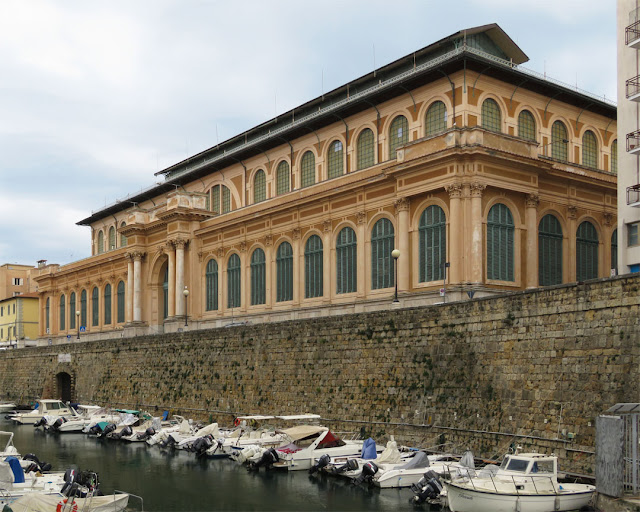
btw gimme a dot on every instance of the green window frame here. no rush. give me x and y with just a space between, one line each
432 230
62 312
120 302
211 285
100 242
215 199
527 126
83 309
614 156
165 294
491 115
436 119
123 238
112 238
283 178
559 148
72 310
382 244
398 135
308 169
313 267
258 277
259 186
95 306
589 150
550 240
234 282
226 199
365 149
284 272
346 261
107 304
500 247
614 250
587 244
335 160
46 313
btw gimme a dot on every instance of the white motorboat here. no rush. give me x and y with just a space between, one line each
7 407
42 502
6 445
86 415
14 482
179 427
43 408
410 471
525 482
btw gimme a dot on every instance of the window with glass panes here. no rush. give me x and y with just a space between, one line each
335 158
398 135
226 200
526 126
284 272
500 250
72 310
100 242
614 250
234 276
120 302
83 308
211 285
586 251
559 148
433 244
123 239
346 261
313 267
95 306
549 251
632 234
365 149
308 169
259 187
258 277
282 178
614 157
62 312
107 304
589 150
47 308
112 238
215 199
382 244
491 116
165 294
436 118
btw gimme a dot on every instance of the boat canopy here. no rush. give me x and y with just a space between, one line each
419 460
303 431
6 439
295 417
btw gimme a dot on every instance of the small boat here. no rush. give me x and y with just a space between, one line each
7 407
86 415
411 470
525 482
41 502
43 408
6 445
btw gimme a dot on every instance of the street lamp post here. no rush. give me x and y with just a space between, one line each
396 254
185 292
78 322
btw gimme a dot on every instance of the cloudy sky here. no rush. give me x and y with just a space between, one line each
97 96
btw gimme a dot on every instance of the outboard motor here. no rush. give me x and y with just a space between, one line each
201 445
125 432
322 462
56 424
170 442
146 434
70 476
108 429
36 464
267 460
40 423
350 465
95 430
368 471
428 488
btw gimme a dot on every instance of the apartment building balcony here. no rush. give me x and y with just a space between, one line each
633 88
633 196
633 142
632 35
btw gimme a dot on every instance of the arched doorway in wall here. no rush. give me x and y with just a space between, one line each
64 388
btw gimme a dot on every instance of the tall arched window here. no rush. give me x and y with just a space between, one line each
259 186
284 272
100 242
83 308
559 141
433 244
398 135
526 126
382 243
258 277
72 310
549 251
234 281
313 271
491 116
62 312
365 149
107 304
165 294
500 251
215 199
346 261
586 251
335 160
614 157
120 301
226 200
436 119
614 250
211 285
112 238
123 238
46 314
95 306
308 169
283 178
589 150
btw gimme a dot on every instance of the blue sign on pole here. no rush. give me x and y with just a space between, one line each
68 336
83 328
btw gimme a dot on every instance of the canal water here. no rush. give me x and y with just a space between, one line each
177 481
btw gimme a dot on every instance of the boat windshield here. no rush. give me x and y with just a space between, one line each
5 440
511 464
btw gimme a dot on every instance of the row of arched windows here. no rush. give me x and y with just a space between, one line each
111 240
82 304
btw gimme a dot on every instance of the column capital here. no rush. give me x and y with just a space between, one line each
138 255
608 219
402 204
532 201
268 240
455 190
361 217
573 212
296 234
180 243
477 188
326 226
242 246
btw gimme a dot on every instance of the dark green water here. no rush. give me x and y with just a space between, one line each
170 481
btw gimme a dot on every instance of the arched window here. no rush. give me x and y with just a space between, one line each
165 294
83 308
549 251
259 186
100 242
95 306
282 178
586 252
433 244
123 238
398 135
346 261
211 285
382 243
120 301
234 278
559 141
226 200
614 250
72 310
313 271
500 251
526 126
112 238
62 312
308 169
258 277
215 199
46 313
284 272
589 150
335 160
365 149
107 304
491 116
436 119
614 157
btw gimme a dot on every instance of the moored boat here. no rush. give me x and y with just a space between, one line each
45 407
